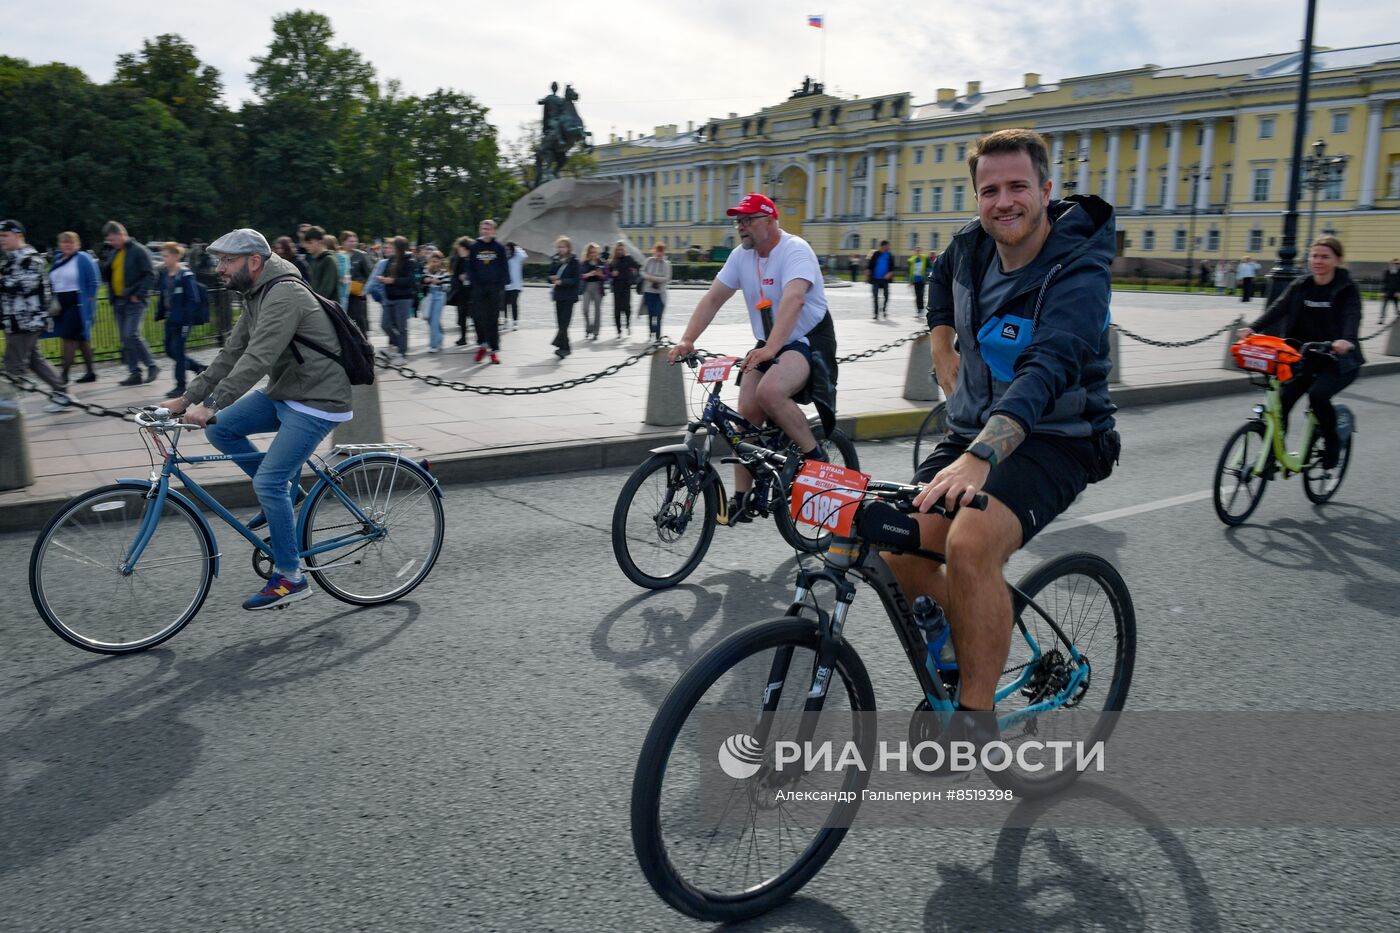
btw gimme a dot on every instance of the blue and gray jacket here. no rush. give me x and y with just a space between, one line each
1042 358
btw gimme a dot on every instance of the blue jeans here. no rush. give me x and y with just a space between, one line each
654 306
130 316
297 437
436 296
394 320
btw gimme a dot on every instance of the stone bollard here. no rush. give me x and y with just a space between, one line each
919 384
1392 342
1115 357
16 471
666 401
1230 339
367 427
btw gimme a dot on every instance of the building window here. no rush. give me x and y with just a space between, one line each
689 177
961 152
1149 240
1225 189
1179 240
690 209
1162 191
935 198
914 240
918 155
957 197
1266 127
1200 134
1263 179
858 201
1256 240
666 210
1212 241
938 152
933 240
1332 190
916 199
1341 121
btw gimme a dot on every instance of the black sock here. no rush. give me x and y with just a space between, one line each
968 709
816 453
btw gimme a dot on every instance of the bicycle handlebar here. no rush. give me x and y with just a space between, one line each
153 416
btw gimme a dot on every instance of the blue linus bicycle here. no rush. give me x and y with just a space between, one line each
122 568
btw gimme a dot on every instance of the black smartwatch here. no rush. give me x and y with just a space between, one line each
984 451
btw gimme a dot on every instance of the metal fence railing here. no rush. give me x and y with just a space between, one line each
224 308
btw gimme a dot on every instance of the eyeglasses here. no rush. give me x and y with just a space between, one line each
747 220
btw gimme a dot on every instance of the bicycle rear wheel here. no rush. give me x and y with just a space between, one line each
809 538
661 528
1238 488
1319 484
935 425
80 591
712 837
401 500
1089 602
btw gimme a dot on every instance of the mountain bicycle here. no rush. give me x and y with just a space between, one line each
667 511
721 846
124 567
1258 450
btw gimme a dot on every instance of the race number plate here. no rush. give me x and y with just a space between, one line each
716 370
825 495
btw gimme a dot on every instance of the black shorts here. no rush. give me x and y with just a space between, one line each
1037 482
797 345
69 324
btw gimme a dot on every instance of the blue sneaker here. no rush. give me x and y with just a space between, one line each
279 592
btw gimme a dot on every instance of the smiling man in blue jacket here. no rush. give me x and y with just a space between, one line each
1025 289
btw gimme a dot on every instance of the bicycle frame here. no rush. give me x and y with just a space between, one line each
159 490
1275 440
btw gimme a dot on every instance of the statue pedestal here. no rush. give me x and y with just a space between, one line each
583 209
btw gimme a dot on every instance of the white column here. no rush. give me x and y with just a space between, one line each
1057 152
828 212
1173 166
810 211
695 217
891 178
1086 146
843 198
1370 161
870 184
1207 165
631 199
654 208
1110 180
1140 193
710 193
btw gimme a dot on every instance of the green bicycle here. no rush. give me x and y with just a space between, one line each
122 568
1258 450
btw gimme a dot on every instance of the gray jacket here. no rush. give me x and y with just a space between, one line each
1060 382
261 343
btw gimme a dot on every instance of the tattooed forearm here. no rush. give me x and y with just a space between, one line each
1002 434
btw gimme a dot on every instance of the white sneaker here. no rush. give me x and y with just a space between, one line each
435 349
59 402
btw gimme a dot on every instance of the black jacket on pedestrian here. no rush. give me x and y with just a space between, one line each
1293 314
622 272
1390 282
405 284
568 272
139 272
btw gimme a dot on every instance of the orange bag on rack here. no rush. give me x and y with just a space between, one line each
1270 356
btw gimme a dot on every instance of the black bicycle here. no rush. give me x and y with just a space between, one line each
724 831
667 512
931 431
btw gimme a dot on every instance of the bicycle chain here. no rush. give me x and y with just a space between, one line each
1175 344
25 384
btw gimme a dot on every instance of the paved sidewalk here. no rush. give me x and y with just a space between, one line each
511 435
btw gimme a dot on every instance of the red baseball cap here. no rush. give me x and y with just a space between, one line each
754 204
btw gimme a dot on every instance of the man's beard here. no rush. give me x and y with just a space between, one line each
1031 224
241 281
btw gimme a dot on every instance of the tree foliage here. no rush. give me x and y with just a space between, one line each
324 142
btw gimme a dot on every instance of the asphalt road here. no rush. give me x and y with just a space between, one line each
462 760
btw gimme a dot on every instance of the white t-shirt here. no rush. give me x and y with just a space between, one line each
515 265
791 259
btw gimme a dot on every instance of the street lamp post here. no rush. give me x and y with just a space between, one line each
1319 170
1285 272
1072 181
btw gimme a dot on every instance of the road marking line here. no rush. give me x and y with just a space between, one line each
1100 517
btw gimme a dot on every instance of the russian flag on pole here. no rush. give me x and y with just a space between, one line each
815 20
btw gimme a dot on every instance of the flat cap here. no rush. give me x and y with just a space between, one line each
241 242
11 226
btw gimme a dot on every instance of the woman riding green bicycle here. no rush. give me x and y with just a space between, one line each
1324 305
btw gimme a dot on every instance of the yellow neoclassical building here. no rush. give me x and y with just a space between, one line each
1196 159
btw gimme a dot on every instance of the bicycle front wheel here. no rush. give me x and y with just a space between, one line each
661 528
1238 488
809 538
930 432
78 585
385 558
715 837
1061 698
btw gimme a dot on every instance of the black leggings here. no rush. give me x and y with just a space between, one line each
622 308
563 313
511 309
1320 387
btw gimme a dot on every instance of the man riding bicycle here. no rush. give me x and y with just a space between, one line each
1025 289
306 396
782 284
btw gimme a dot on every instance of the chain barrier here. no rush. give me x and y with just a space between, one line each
382 360
1383 329
865 354
1175 344
25 384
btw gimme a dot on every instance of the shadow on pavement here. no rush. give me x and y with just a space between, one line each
67 775
800 913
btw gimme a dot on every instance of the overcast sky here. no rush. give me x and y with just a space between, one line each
640 63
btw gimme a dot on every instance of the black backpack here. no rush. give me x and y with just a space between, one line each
356 354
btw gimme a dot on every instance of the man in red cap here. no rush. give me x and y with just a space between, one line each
782 284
